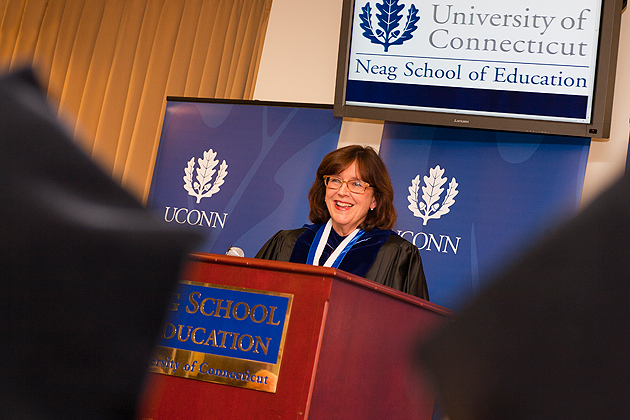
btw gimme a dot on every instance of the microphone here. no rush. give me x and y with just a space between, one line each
235 251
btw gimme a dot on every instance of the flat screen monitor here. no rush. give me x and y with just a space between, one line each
538 66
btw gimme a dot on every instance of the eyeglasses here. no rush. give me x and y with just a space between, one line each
334 183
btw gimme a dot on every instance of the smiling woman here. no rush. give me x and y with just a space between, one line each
348 202
352 211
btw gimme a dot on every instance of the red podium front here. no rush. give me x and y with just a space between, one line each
347 351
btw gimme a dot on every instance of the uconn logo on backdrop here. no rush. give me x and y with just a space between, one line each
201 182
434 202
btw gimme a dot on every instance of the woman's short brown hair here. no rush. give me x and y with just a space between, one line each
371 170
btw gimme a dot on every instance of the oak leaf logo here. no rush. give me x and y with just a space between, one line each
388 20
430 207
201 186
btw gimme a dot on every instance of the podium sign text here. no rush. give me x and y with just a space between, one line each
226 335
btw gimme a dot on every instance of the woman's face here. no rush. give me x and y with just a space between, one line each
347 210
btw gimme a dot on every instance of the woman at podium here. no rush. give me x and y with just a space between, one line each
352 211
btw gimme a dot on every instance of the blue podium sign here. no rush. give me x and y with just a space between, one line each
223 334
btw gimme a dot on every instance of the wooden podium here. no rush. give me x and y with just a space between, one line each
347 351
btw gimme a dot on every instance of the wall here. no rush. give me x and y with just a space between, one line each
309 30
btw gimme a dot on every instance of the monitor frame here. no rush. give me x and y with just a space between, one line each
601 113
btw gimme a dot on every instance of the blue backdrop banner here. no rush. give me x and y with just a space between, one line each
239 171
471 200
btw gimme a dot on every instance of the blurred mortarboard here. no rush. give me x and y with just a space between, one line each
86 271
550 338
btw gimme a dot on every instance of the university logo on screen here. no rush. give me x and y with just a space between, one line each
508 47
388 30
429 202
200 182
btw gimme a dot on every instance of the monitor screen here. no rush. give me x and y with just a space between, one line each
538 66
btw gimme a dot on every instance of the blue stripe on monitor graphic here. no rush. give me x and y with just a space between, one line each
468 99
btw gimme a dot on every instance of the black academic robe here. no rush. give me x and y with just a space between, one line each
382 256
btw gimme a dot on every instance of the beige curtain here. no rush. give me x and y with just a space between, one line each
110 64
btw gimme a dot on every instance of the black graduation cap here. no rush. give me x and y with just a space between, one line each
550 338
86 271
